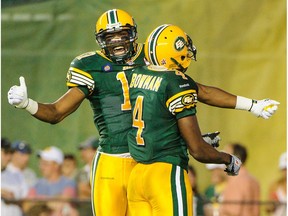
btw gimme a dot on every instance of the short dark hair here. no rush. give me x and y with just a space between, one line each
6 145
240 151
69 156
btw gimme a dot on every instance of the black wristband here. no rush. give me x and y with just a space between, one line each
253 101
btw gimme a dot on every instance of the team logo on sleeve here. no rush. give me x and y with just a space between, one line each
182 100
188 99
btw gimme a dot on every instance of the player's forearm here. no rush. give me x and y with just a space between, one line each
48 113
214 96
198 148
217 97
208 154
60 109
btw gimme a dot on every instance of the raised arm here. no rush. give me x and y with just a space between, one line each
47 112
214 96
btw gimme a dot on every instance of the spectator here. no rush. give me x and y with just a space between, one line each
69 166
6 153
198 199
13 186
19 162
87 150
244 189
53 184
278 190
214 191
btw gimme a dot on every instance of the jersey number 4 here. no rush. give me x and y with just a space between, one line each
138 120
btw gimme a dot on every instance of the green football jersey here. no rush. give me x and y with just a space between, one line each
105 85
158 99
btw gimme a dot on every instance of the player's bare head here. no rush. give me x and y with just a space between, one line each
116 33
169 46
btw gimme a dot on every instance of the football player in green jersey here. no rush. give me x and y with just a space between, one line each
102 78
163 101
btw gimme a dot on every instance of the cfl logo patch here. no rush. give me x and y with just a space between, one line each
179 43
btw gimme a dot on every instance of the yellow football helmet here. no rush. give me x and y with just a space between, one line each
114 22
169 46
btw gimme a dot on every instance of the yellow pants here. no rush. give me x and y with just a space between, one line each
109 182
159 189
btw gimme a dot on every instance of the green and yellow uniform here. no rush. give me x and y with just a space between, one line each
105 85
159 184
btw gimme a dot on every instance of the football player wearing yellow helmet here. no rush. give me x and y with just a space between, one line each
102 78
163 101
170 39
116 33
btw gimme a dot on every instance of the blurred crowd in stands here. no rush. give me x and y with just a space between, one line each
63 187
52 193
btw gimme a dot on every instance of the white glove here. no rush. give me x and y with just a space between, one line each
212 139
264 108
17 95
233 168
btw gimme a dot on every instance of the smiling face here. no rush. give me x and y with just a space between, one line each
117 43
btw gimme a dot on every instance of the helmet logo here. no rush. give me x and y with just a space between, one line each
179 43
